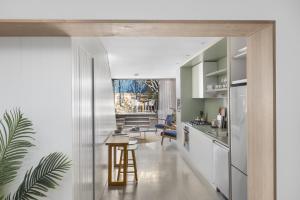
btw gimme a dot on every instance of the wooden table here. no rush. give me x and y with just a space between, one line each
114 141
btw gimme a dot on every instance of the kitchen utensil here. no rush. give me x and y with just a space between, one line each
219 120
222 111
213 123
209 87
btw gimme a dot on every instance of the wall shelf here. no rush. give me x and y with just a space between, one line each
217 90
216 73
242 81
244 49
241 53
238 54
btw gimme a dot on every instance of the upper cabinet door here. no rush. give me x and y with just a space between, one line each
238 52
200 81
197 81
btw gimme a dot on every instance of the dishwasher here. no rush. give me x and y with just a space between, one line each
221 168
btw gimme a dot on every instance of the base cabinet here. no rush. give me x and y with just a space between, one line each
210 159
201 153
221 168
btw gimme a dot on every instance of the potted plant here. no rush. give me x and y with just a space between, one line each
16 136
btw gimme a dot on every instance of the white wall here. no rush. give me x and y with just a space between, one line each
167 97
35 75
105 118
180 138
84 50
83 121
286 13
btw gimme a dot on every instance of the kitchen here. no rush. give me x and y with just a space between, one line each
211 115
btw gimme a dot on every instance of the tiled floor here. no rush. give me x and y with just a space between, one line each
163 175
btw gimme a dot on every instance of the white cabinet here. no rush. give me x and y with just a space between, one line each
201 153
221 168
238 52
210 159
199 80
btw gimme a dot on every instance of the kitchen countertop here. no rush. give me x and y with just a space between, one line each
219 134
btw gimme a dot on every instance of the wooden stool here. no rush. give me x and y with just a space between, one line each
131 148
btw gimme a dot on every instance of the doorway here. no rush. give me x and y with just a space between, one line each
260 72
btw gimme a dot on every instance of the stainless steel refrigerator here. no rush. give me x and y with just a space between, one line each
238 107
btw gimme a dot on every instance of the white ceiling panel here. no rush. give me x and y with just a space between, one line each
151 57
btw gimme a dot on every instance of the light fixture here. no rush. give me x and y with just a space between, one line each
111 57
127 27
136 74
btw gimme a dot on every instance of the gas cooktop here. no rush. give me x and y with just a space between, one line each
198 122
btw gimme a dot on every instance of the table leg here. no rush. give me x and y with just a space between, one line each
109 165
112 148
115 157
125 164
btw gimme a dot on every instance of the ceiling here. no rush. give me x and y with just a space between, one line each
151 57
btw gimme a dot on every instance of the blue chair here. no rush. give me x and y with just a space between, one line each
168 122
171 134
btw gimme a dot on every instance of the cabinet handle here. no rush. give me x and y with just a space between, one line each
220 145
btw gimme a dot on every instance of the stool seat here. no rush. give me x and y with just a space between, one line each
129 147
132 147
132 142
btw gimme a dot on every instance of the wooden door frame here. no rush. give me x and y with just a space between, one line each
261 71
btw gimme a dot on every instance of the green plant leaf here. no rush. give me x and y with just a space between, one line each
15 138
6 198
38 181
